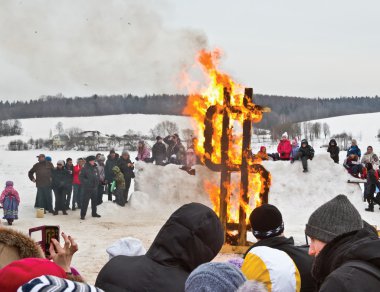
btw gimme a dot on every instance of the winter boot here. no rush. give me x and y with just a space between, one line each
370 208
10 221
305 170
55 213
65 213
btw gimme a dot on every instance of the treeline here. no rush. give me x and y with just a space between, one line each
285 109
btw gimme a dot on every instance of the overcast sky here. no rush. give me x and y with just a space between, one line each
293 47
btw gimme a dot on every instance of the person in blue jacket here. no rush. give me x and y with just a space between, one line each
354 149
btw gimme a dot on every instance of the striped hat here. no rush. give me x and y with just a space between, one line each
55 284
272 267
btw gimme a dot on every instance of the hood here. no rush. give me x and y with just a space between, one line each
116 169
304 141
193 235
26 247
333 141
116 157
263 149
363 245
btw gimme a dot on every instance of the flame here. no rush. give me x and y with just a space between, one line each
199 100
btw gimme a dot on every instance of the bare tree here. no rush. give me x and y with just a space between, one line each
326 129
164 128
59 128
316 129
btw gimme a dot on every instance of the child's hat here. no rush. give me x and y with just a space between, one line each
9 183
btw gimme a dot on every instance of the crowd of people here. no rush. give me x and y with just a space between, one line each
343 255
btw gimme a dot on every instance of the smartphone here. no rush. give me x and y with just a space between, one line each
43 236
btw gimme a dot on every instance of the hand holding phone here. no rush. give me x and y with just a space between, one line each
62 256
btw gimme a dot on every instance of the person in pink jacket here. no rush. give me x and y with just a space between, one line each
10 201
284 148
143 152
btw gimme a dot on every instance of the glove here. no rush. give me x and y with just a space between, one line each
282 153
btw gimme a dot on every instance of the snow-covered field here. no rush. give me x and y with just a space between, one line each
163 189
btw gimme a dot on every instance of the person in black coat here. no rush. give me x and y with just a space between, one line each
268 227
89 178
346 248
110 176
370 187
126 167
305 153
193 235
333 149
159 152
70 168
61 182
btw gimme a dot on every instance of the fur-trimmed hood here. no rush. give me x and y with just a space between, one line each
15 245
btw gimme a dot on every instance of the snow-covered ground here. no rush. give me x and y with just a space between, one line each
163 189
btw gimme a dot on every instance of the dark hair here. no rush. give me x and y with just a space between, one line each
369 147
68 159
369 166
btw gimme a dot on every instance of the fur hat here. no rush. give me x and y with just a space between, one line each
61 162
127 246
9 183
337 216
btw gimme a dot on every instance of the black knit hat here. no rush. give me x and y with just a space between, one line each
336 217
90 158
266 221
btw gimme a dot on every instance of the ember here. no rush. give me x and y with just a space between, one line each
218 111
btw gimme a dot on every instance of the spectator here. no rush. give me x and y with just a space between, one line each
215 277
346 249
15 245
181 154
102 178
61 182
143 152
110 176
305 153
354 149
176 152
193 235
284 148
353 165
70 168
43 170
370 188
77 190
333 149
89 178
370 157
159 152
120 186
10 200
126 167
268 228
53 283
272 267
295 148
262 154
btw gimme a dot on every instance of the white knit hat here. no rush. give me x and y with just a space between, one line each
127 246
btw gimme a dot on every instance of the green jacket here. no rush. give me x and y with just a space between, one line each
119 178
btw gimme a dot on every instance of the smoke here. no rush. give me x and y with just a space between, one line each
91 46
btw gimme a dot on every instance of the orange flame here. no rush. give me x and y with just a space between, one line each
200 99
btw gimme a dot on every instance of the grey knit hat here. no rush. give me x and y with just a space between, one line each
336 217
215 277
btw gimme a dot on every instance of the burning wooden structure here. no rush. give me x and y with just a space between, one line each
226 166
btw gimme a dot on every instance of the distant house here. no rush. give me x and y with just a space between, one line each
60 141
93 140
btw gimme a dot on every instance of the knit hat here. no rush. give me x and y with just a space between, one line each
127 246
9 183
285 135
263 149
102 158
61 162
266 221
125 151
252 286
22 271
90 158
48 158
354 142
336 217
215 277
158 138
55 284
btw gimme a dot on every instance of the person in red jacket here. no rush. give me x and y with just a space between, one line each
77 192
284 148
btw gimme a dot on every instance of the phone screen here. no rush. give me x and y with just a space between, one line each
43 236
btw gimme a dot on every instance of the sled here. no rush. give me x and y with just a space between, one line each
356 181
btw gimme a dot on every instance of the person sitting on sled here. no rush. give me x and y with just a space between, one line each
10 201
353 165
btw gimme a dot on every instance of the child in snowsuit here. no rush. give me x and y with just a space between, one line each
262 154
295 148
10 201
284 148
304 153
370 189
333 149
120 186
